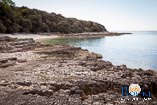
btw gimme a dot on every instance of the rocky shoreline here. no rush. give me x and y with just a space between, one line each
43 36
32 73
91 34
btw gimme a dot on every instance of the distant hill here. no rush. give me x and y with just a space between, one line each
25 20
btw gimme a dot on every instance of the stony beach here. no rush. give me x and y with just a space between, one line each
44 36
32 73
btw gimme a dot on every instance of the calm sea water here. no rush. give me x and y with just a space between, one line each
137 50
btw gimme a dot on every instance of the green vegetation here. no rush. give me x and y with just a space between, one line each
8 3
24 20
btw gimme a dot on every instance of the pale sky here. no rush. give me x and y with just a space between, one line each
113 14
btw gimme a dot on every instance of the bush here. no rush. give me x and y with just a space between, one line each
64 27
26 25
52 26
44 28
2 28
13 28
36 23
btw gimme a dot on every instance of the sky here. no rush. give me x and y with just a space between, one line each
115 15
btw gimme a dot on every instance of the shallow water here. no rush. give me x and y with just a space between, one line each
137 50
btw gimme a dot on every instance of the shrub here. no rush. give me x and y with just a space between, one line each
44 28
2 28
64 27
13 28
26 25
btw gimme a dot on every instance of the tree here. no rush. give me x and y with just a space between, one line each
7 2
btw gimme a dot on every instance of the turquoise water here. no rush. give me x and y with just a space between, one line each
137 50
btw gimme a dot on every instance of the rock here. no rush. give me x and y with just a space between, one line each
40 93
76 90
62 74
127 74
7 62
21 60
148 73
6 39
153 86
24 83
96 65
123 67
95 87
4 83
9 44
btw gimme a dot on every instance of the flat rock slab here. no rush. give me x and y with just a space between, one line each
7 62
8 44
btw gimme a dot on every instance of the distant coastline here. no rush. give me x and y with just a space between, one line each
43 36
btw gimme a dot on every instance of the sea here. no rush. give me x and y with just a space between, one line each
136 50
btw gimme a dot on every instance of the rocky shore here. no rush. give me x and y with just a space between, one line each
32 73
91 34
43 36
